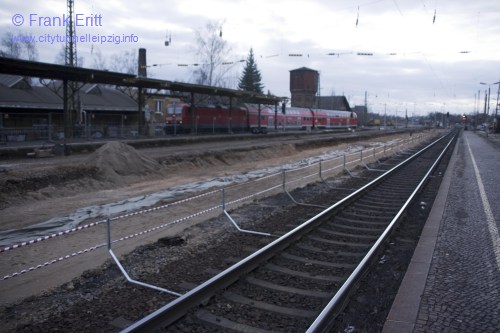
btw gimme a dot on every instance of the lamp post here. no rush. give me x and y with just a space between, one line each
488 100
385 116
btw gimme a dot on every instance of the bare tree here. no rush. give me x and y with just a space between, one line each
125 62
18 46
10 48
61 58
98 60
31 51
212 52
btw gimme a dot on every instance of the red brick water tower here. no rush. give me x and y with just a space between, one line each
304 87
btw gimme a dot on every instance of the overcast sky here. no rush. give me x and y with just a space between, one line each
428 55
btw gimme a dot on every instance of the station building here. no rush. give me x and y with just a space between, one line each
30 111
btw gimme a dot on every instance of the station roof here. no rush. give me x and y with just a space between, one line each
88 75
59 72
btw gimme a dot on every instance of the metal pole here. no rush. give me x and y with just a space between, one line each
284 182
258 120
175 122
223 199
50 126
230 115
122 129
276 114
496 110
66 110
487 129
477 108
139 119
191 111
489 93
385 116
108 232
485 100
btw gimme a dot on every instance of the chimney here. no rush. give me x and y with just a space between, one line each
142 63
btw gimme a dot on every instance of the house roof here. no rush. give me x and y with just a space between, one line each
360 108
10 80
96 97
304 69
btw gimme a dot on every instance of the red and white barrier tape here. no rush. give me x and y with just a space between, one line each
74 254
53 261
93 224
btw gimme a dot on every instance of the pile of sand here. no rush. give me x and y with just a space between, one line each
114 160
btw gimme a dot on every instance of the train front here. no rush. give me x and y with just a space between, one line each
174 120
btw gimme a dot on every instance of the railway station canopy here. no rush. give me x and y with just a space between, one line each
88 75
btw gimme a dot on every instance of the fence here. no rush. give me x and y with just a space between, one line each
196 208
26 127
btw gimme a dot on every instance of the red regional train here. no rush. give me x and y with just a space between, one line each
245 118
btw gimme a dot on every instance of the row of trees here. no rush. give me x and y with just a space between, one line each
210 48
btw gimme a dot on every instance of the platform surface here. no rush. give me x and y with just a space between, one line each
453 281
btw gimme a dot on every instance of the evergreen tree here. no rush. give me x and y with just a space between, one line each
251 79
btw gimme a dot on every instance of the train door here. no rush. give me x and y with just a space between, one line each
270 122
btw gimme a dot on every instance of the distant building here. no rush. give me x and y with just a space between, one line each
156 111
362 112
304 87
333 103
31 112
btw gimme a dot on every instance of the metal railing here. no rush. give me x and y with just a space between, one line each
208 204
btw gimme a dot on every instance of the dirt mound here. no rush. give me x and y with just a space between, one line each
228 157
114 160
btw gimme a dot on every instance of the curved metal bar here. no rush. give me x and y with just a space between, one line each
293 199
124 272
234 222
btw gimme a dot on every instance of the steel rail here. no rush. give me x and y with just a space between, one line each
326 318
174 310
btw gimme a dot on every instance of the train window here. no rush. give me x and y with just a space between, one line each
174 109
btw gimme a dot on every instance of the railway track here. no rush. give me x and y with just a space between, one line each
301 281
